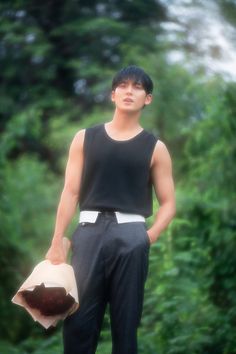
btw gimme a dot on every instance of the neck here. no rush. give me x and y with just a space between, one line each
123 120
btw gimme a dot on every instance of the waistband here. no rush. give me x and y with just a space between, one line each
91 216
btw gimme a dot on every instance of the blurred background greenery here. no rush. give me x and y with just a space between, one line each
57 60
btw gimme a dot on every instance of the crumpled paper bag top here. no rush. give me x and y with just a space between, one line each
56 284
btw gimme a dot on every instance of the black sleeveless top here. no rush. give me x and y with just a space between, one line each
116 174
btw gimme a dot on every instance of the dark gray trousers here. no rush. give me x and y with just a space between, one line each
110 262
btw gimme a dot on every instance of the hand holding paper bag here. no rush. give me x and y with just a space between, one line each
49 294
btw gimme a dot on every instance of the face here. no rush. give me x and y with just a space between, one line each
130 96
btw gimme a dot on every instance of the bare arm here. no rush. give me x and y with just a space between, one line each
69 198
161 169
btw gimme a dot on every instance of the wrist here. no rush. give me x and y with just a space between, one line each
57 239
153 235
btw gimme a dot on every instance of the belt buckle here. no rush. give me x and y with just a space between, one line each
108 213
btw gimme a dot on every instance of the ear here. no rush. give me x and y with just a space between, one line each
113 96
148 99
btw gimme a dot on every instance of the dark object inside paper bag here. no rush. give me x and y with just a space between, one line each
50 301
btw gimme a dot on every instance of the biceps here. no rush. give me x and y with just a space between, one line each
73 174
163 183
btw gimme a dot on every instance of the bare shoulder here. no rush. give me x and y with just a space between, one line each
79 136
160 146
78 140
160 153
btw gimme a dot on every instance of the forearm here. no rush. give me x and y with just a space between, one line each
65 212
163 217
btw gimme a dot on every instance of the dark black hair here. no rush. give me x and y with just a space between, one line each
135 74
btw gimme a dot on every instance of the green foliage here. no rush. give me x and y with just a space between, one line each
36 344
229 10
28 201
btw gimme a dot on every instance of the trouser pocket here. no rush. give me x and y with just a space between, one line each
146 237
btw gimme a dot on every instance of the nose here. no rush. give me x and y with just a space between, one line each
129 89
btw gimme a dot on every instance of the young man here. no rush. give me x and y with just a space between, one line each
110 173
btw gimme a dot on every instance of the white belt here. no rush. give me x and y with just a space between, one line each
91 216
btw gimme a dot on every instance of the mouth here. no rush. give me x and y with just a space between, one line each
129 100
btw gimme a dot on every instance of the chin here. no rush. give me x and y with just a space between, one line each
129 110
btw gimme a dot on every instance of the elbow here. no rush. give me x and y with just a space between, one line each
171 209
70 192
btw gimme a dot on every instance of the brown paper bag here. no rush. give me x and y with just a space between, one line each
49 294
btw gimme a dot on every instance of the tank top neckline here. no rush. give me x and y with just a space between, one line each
121 141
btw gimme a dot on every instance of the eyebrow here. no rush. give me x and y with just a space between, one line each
135 82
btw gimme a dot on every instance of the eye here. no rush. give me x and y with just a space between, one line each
122 84
139 86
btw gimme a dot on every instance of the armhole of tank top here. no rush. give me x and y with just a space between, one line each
153 149
86 141
88 136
